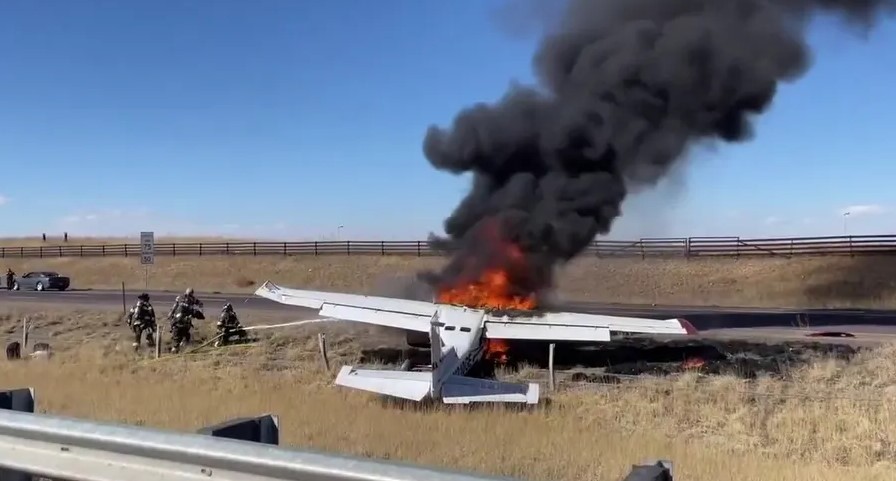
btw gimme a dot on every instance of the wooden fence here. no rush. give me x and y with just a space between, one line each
643 248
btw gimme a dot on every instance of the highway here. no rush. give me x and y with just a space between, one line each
110 299
733 321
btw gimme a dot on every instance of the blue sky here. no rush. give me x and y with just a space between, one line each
290 118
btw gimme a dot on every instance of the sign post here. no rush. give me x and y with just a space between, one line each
263 429
21 400
147 254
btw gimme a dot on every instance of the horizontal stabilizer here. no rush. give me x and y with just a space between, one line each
465 390
403 384
382 311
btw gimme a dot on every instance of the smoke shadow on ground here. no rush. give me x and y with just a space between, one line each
861 281
431 406
648 356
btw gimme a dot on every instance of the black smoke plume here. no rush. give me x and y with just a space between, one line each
626 87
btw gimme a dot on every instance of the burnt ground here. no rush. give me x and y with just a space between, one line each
602 362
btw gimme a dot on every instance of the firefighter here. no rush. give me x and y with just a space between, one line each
191 298
10 279
229 326
142 319
181 323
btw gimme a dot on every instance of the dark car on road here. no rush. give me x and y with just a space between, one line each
41 281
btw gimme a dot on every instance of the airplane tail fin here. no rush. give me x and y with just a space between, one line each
439 362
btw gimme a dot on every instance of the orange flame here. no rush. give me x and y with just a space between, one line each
693 363
493 287
490 291
496 350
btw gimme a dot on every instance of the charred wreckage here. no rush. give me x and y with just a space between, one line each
459 337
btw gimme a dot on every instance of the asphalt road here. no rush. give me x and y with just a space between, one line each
867 326
103 299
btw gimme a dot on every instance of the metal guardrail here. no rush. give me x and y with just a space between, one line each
647 247
241 450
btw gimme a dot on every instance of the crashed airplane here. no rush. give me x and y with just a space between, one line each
458 337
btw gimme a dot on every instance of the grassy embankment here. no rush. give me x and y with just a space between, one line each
833 421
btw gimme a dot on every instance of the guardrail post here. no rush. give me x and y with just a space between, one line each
382 248
656 471
21 400
261 429
419 249
255 248
315 247
348 248
40 252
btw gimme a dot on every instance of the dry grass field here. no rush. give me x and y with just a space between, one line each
797 282
832 421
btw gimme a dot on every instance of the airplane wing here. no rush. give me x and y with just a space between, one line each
382 311
572 326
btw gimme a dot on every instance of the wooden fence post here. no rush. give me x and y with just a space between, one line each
25 328
552 381
322 345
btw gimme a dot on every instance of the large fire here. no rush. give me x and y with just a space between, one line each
491 291
493 288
